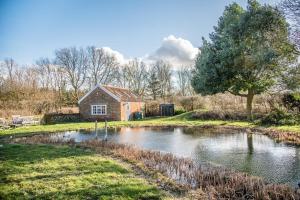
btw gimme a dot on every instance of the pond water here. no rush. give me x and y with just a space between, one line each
255 154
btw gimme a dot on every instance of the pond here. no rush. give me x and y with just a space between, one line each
255 154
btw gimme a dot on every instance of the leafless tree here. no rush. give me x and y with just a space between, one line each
74 62
291 9
44 69
102 67
135 76
30 78
10 65
184 77
159 83
59 84
121 78
164 75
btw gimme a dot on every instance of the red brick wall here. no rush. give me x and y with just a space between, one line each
100 97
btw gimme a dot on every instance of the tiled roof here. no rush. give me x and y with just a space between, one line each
122 93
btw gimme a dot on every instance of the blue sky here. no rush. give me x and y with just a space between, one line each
30 29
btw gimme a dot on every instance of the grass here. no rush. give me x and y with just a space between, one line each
179 120
182 175
61 172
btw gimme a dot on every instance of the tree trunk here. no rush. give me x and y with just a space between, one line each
249 104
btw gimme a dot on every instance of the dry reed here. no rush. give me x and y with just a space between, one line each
216 182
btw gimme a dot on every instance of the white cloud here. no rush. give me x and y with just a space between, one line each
177 51
119 57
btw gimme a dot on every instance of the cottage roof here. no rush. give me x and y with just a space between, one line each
123 94
120 94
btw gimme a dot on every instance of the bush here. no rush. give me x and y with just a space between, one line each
219 115
179 111
280 117
192 103
291 101
54 118
152 108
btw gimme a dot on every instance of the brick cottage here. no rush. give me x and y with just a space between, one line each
109 103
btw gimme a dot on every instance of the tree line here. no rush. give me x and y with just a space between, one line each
73 71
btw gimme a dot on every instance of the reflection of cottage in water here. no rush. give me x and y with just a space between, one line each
109 103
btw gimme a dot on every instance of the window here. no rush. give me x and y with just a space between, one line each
98 109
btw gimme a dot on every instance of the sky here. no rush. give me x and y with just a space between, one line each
153 29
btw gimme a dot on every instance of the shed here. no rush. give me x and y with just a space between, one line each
105 102
166 109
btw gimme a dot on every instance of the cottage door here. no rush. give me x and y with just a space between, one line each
127 111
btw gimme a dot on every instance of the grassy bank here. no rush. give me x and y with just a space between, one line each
50 172
180 120
182 175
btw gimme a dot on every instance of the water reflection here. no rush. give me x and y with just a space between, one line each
252 153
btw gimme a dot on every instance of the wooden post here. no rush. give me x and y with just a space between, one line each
96 128
105 138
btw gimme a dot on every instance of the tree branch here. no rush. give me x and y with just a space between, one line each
237 93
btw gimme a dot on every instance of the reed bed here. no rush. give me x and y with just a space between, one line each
216 182
287 137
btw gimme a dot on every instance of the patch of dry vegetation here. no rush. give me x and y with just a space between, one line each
214 182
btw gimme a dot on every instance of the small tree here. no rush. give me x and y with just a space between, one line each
154 85
248 51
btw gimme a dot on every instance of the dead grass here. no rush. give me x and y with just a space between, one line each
215 182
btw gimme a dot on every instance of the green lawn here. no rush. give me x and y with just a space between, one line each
61 172
180 120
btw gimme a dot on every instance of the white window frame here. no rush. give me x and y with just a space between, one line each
96 109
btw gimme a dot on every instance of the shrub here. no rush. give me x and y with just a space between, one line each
54 118
179 111
291 101
219 115
192 103
280 117
152 108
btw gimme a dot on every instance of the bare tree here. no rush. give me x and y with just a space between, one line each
59 84
10 65
121 78
135 76
44 69
164 75
159 80
291 9
74 62
102 67
30 78
184 77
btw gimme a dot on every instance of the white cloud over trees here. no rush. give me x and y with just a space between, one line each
176 51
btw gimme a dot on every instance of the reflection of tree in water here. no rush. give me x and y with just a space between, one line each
250 143
201 154
161 128
208 131
246 166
